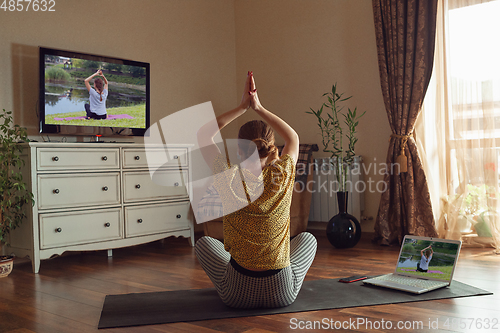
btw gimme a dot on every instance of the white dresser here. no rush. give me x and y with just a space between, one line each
100 196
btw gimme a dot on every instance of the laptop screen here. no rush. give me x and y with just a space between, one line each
428 258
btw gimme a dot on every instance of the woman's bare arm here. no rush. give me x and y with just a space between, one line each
279 125
207 132
87 80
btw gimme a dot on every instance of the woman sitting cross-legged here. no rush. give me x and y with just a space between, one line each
97 96
258 265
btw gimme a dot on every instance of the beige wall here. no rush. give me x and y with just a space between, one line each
200 50
297 49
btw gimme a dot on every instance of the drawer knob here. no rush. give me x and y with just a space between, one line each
139 221
107 224
56 191
58 230
137 158
176 184
138 186
105 188
176 157
104 158
55 158
178 216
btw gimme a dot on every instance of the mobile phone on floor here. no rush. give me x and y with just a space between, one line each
353 278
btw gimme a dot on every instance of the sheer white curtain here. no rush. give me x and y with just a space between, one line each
458 131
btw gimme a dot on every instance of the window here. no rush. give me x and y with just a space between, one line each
474 70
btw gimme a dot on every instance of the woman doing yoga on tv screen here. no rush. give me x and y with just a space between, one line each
258 265
97 98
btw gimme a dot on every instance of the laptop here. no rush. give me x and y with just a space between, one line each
424 264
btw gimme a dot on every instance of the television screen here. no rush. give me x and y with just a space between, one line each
84 94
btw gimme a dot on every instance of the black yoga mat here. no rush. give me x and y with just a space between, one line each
202 304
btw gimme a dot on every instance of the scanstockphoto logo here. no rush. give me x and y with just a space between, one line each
183 127
165 143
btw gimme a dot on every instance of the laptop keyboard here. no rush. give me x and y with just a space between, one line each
424 284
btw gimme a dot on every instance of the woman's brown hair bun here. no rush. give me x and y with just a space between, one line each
261 134
264 147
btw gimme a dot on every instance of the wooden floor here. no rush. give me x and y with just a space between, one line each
68 293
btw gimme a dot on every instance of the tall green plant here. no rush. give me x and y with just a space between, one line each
332 132
13 192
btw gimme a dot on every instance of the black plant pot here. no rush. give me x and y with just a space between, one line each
343 230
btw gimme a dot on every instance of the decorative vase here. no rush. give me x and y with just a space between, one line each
343 230
6 265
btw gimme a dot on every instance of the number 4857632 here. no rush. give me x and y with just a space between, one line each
472 323
27 5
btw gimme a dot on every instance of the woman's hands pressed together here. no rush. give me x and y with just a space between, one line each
252 91
246 98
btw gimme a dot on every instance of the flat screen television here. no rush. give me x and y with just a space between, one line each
64 94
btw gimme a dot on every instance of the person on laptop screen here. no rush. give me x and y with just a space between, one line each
431 270
426 256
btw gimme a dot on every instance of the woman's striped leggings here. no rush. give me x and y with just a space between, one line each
242 291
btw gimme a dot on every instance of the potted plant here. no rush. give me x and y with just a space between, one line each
13 192
343 229
477 208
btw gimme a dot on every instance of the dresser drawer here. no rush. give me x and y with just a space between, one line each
151 219
79 227
154 157
77 159
78 190
138 186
